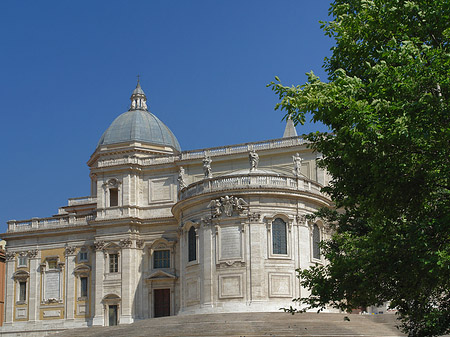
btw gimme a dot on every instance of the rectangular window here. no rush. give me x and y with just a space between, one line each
52 264
22 261
192 245
114 263
83 286
83 256
161 259
113 197
22 291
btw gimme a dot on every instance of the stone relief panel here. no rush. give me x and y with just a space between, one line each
21 313
161 189
280 285
52 313
230 286
82 309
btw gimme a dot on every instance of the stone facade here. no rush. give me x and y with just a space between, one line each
166 232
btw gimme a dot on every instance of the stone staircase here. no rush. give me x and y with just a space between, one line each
251 325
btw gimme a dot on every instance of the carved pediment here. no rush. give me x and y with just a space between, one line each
82 269
160 275
111 299
21 275
162 243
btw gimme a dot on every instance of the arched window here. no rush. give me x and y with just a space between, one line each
279 237
192 244
315 242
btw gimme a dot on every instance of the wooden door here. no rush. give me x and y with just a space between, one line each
161 302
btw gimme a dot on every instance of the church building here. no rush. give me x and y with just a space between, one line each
169 232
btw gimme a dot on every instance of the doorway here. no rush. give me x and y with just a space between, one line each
161 302
112 314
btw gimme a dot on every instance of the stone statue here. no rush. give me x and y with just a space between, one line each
297 164
181 181
227 203
254 160
239 204
216 208
207 166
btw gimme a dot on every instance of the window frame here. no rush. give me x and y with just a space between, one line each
277 239
116 263
192 245
80 272
162 260
84 291
114 196
22 286
81 258
270 237
22 261
21 277
320 229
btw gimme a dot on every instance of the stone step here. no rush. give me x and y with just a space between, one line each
251 325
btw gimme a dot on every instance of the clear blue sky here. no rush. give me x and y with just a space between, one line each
68 69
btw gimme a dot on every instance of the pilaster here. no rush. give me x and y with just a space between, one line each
206 255
98 283
9 302
127 282
70 283
34 296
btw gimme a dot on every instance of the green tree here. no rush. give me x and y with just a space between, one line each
388 151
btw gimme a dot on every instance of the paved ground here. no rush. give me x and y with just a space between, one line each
251 325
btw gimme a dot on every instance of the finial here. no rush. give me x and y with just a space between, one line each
138 98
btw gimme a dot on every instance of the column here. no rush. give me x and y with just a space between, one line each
34 296
70 283
9 300
98 283
127 268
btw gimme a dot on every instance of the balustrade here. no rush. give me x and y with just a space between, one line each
213 151
44 223
251 181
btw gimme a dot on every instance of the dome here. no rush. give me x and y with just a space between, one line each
138 124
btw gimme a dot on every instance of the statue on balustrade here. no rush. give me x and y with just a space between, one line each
254 160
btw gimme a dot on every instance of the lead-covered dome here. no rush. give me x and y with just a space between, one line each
138 124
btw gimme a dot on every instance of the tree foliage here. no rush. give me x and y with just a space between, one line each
386 103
